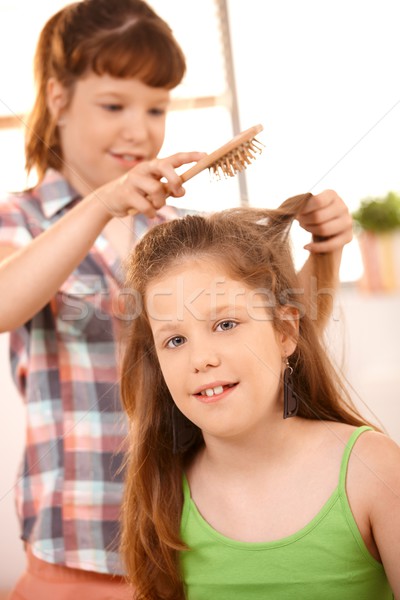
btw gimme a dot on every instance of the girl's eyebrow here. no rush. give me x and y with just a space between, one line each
165 332
214 313
111 92
109 95
159 93
161 97
167 327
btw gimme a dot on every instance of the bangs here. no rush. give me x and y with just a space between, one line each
143 51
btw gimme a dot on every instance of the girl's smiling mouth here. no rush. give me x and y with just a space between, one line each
214 392
126 158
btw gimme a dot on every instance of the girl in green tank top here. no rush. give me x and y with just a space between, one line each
250 475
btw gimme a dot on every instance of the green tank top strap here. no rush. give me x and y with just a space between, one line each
347 452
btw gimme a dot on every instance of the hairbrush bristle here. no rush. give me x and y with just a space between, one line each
236 160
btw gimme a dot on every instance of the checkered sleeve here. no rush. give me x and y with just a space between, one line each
14 228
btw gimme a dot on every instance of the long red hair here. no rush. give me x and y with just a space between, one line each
252 245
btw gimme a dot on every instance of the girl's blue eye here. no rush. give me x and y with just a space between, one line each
226 325
176 341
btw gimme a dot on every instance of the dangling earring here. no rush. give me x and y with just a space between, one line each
290 398
184 432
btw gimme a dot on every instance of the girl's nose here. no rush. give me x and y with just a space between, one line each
134 129
205 358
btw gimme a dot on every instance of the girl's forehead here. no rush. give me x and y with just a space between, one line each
204 267
197 280
204 290
129 86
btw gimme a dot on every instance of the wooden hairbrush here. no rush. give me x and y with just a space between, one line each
229 159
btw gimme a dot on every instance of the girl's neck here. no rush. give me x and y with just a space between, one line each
268 448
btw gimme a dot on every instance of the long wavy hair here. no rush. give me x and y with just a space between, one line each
252 246
121 38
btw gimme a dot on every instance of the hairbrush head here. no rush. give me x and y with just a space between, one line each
236 160
231 158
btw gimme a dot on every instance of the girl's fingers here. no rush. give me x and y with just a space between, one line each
170 178
327 217
142 204
329 244
331 227
324 215
326 199
184 158
157 166
164 168
145 188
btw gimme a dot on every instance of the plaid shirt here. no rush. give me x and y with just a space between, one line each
69 488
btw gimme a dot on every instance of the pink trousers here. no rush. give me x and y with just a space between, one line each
45 581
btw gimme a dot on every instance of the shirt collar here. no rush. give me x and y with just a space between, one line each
55 193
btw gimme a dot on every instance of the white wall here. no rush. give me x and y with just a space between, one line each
323 78
363 336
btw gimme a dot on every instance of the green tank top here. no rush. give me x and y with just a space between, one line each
326 560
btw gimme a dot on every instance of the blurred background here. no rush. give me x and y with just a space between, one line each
323 79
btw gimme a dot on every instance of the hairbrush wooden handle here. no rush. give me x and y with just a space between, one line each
240 143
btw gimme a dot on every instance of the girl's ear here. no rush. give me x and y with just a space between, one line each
288 335
56 98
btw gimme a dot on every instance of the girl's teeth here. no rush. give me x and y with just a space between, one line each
211 391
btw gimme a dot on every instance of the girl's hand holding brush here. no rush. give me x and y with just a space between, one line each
145 188
226 161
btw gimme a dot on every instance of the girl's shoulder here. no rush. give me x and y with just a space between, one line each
371 450
376 460
373 489
330 436
373 475
371 453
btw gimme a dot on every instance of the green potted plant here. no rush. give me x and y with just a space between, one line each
377 223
